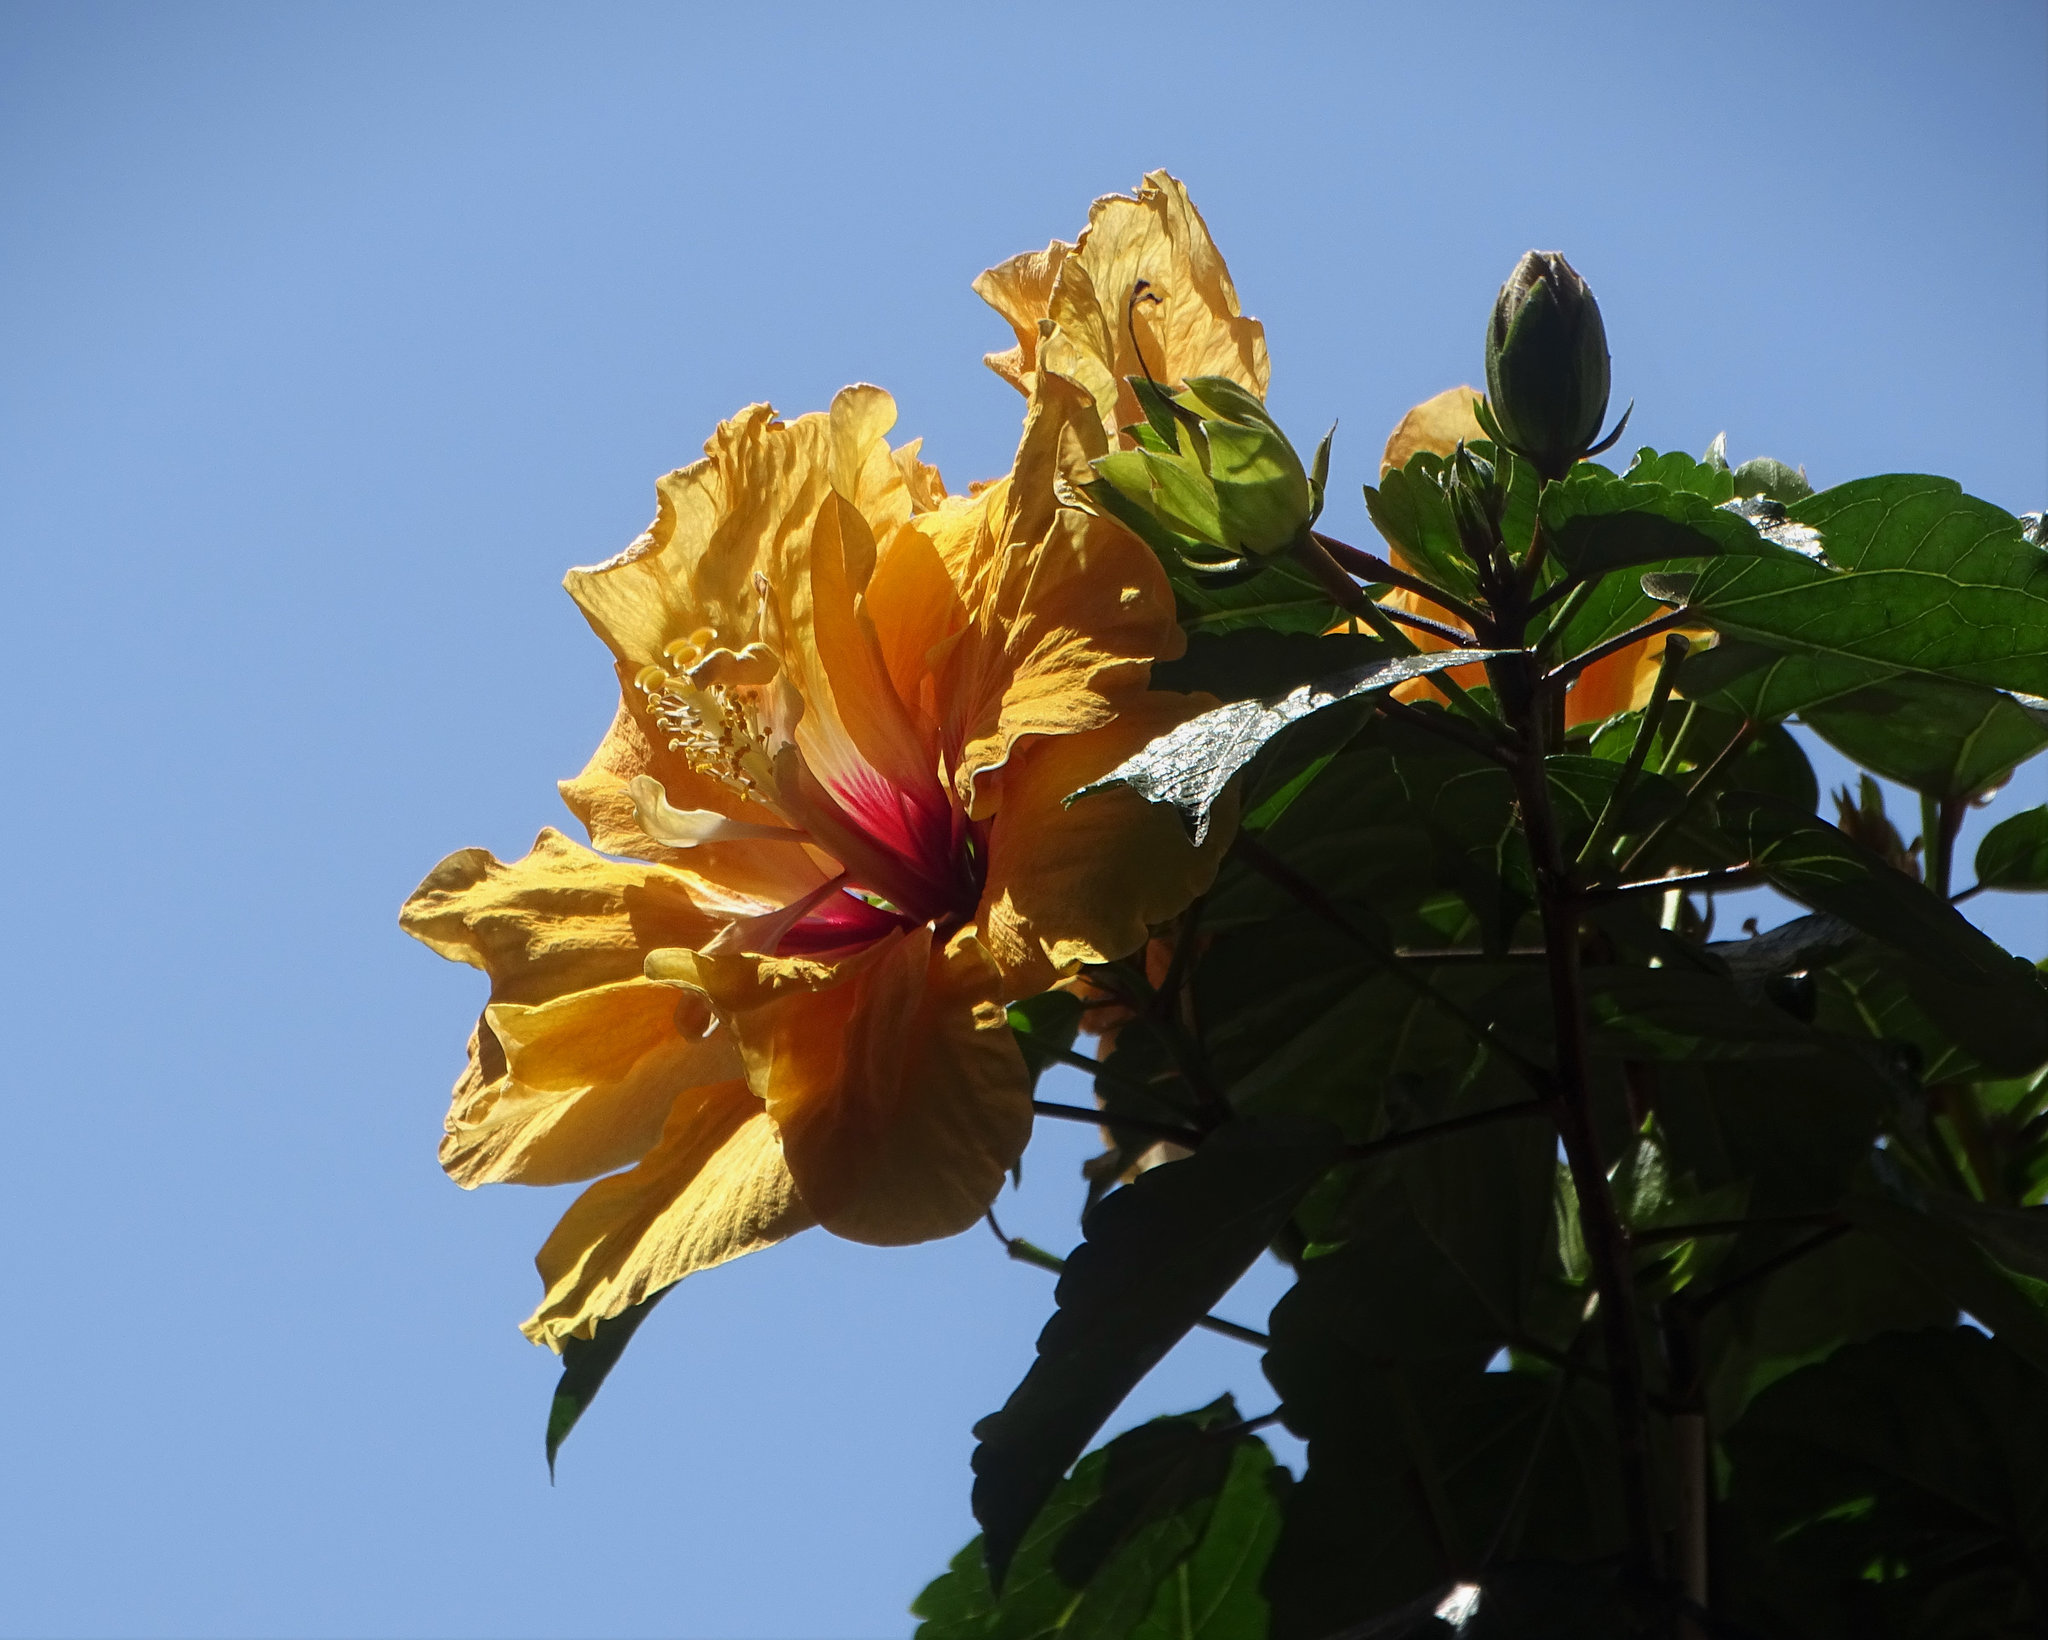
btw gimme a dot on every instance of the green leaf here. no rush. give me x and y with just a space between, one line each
1899 1488
1160 1535
1158 1254
1991 1001
1049 1020
1919 578
1775 480
1674 470
1767 685
1949 740
1412 512
1188 767
1214 1594
586 1363
1598 523
2014 853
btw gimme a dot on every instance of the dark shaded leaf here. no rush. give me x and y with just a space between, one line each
1257 663
1899 1488
1948 1258
1768 685
586 1363
1950 740
1679 1014
1188 767
1163 1532
1991 1001
1158 1254
2014 853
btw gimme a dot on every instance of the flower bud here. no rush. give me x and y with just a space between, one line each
1473 490
1215 470
1547 373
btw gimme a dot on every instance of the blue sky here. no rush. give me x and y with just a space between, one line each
333 334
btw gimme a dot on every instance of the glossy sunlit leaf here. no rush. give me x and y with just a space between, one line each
1158 1254
1919 578
1188 767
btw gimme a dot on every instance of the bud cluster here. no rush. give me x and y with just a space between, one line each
1214 470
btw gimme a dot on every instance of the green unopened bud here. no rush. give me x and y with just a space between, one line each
1216 472
1547 372
1473 490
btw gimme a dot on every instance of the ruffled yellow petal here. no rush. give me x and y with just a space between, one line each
560 919
1063 612
745 511
1068 885
1074 312
577 1059
900 1096
713 1188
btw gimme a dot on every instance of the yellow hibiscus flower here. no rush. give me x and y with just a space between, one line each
830 837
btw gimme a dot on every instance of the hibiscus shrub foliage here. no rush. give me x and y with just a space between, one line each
1651 1276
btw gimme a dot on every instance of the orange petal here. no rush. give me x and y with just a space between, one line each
713 1188
897 1088
560 919
1085 884
1435 425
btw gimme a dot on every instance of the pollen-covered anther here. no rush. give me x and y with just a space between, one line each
714 724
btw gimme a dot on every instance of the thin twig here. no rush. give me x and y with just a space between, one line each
1368 567
1769 1267
1570 670
1731 1227
1094 1067
1702 784
1436 1130
1436 629
1443 728
1745 875
1186 1138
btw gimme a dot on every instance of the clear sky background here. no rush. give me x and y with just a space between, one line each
331 335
